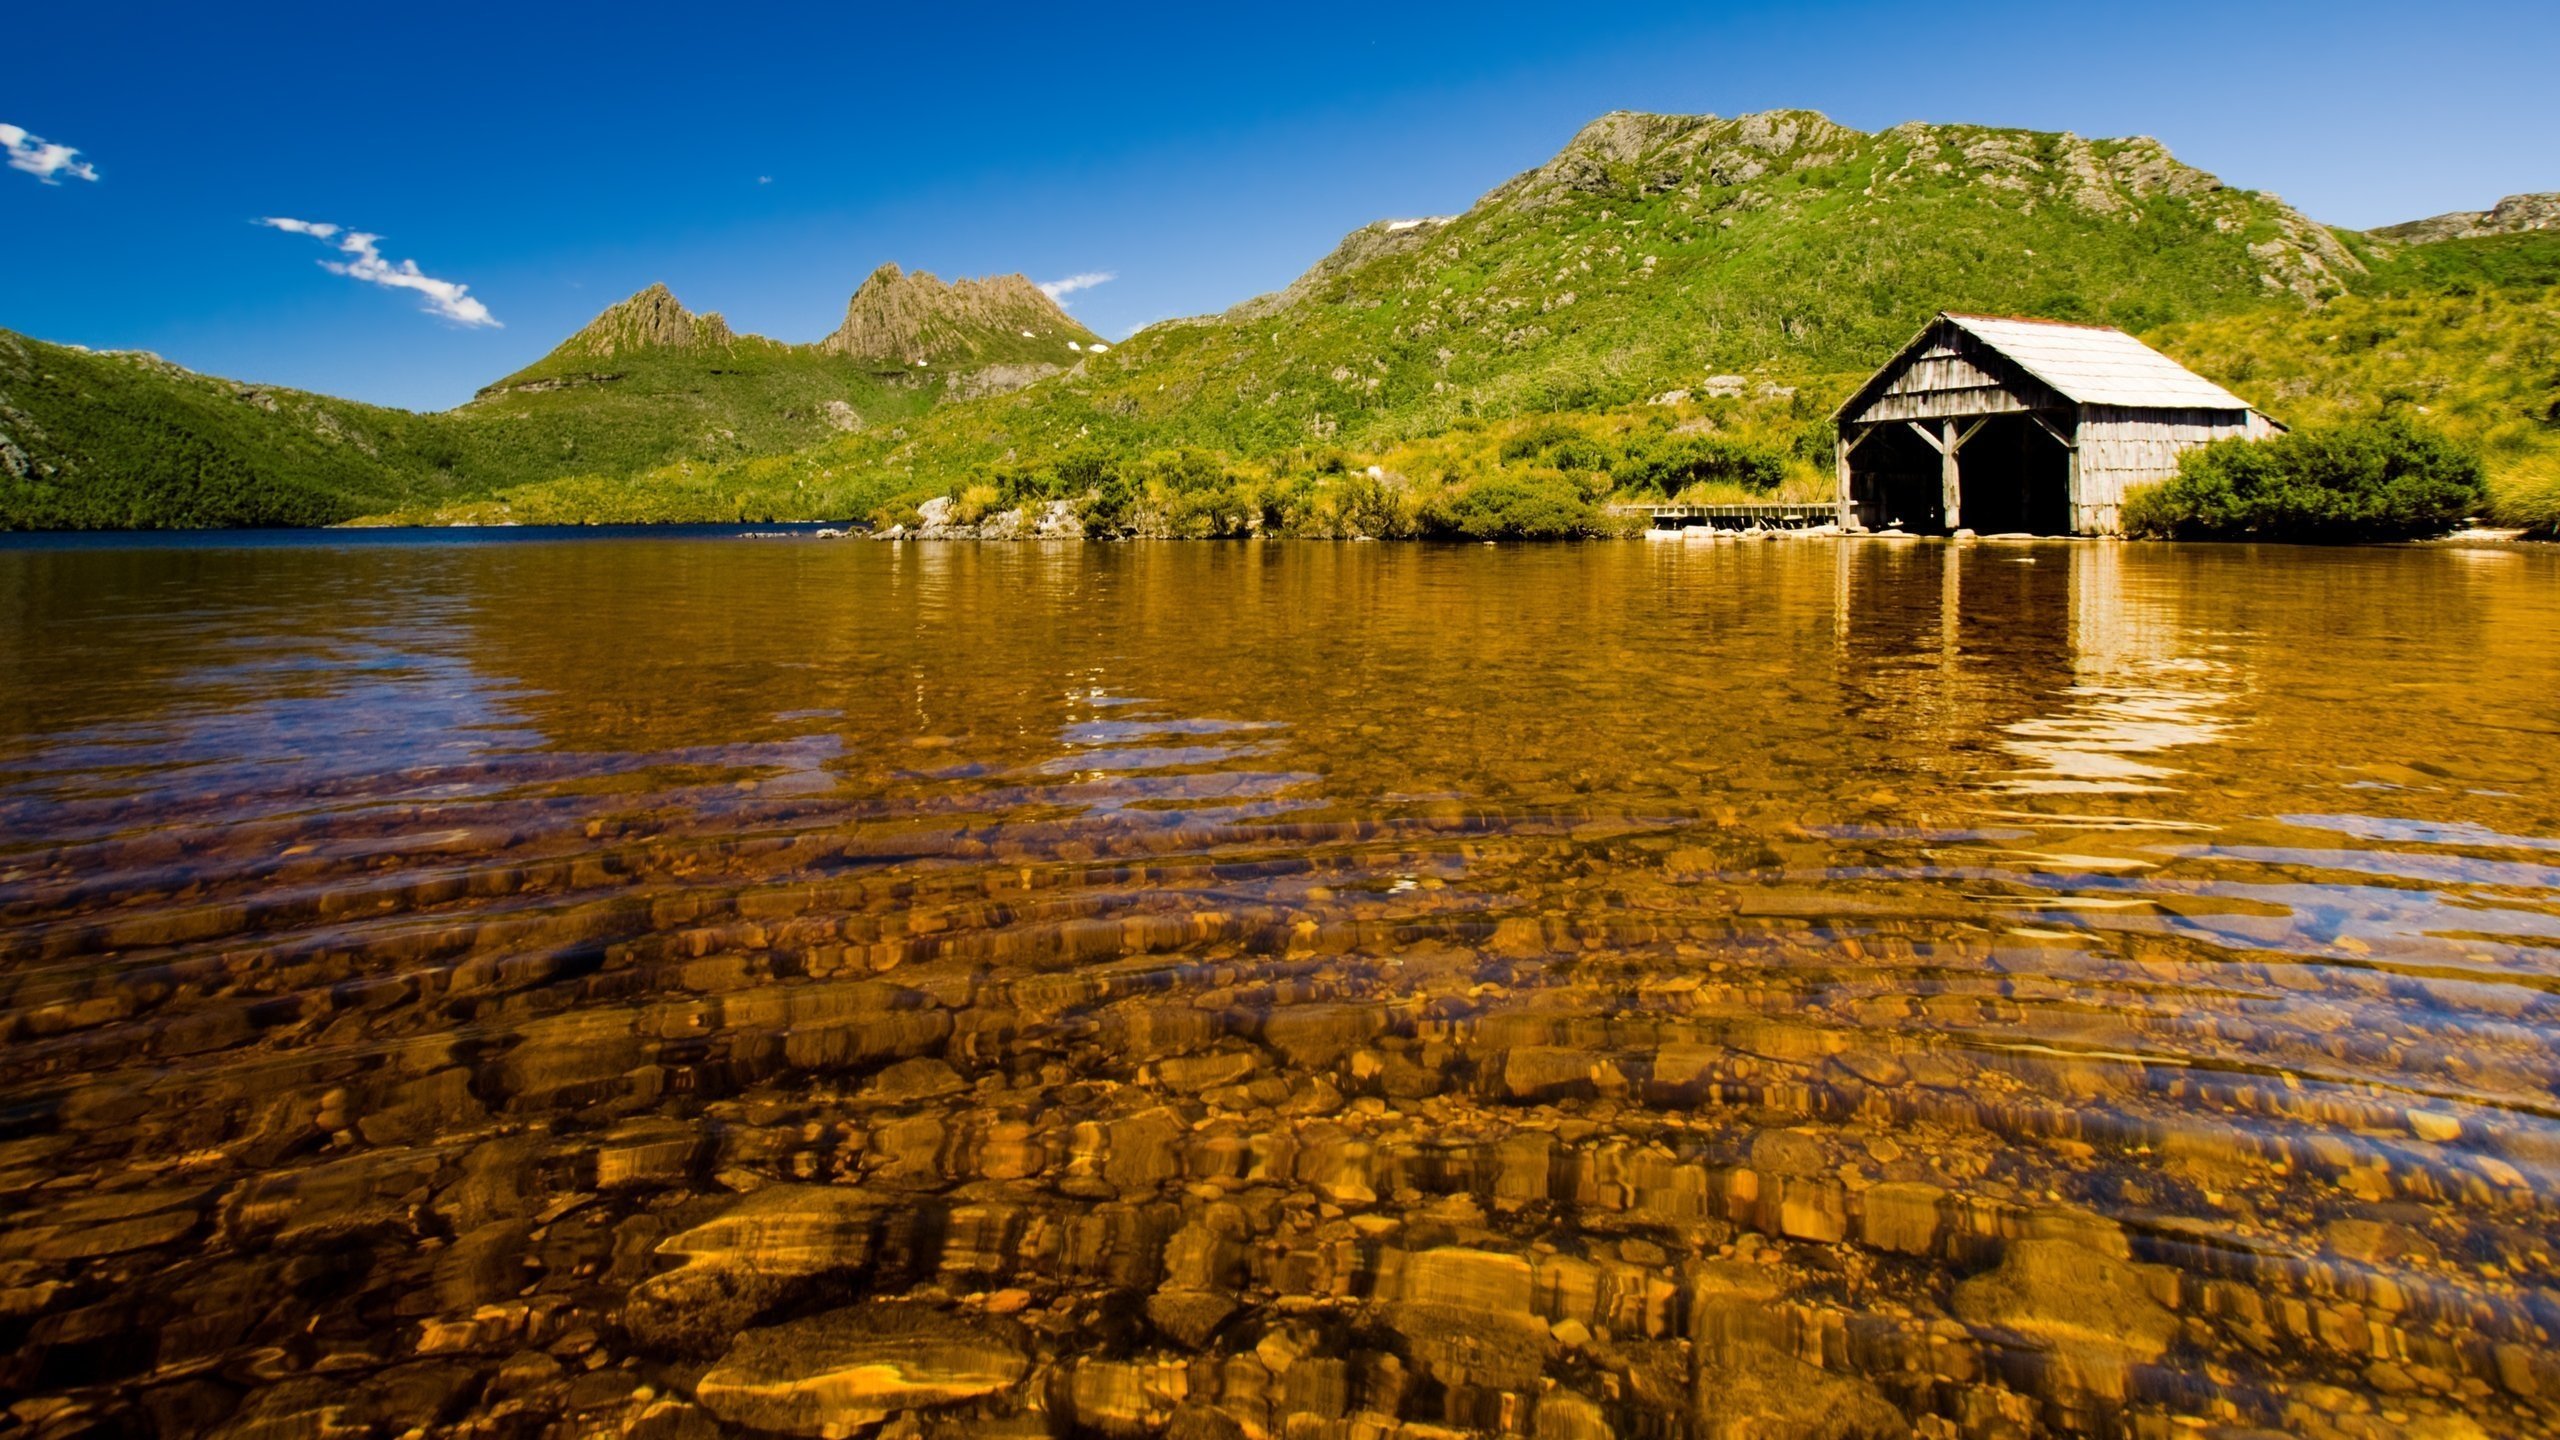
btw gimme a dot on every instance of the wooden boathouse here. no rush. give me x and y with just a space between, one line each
2006 425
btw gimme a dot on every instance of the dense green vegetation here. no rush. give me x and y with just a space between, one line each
673 407
90 440
2460 267
2478 364
2385 479
125 440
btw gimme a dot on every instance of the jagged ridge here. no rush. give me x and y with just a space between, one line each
2515 215
989 335
899 317
652 319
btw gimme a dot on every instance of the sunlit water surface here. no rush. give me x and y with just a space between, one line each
658 987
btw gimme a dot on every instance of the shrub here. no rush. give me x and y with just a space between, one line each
2527 495
1674 465
1086 468
1559 446
974 503
1068 476
1504 508
1110 507
2384 479
1814 442
1183 469
1538 440
1380 508
1216 513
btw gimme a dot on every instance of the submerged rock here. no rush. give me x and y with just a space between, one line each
1757 1392
833 1374
742 1263
2090 1310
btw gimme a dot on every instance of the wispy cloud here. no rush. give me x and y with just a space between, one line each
448 298
41 158
1059 290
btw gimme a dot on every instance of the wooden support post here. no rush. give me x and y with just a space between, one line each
1950 479
1842 446
2081 521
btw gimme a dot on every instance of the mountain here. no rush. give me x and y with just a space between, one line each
129 440
898 318
1651 253
2515 215
654 319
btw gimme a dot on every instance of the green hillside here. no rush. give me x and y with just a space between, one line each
126 440
1653 253
94 440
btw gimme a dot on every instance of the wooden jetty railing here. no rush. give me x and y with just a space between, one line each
1751 515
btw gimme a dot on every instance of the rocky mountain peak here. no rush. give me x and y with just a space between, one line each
2514 215
904 317
1636 153
652 319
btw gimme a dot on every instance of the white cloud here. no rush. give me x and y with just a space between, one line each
764 179
313 228
448 298
1061 289
41 158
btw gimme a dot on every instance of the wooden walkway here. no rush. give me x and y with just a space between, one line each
1740 516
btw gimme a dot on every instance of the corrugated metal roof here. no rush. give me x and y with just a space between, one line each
2094 365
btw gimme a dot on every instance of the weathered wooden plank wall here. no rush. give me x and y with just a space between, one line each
2121 448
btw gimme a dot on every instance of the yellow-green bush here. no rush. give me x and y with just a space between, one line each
2526 494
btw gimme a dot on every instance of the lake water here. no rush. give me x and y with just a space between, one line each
660 987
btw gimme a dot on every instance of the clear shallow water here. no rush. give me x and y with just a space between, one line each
661 987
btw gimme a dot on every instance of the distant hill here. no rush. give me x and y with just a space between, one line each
2514 215
98 439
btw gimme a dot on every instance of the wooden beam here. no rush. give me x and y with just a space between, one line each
1923 432
1969 431
1863 437
1950 479
2065 441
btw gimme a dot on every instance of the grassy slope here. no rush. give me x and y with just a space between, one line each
1654 252
120 440
676 408
124 440
2464 332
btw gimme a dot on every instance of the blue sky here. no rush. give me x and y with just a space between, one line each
762 159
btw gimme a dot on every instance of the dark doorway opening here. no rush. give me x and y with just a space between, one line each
1894 482
2016 478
